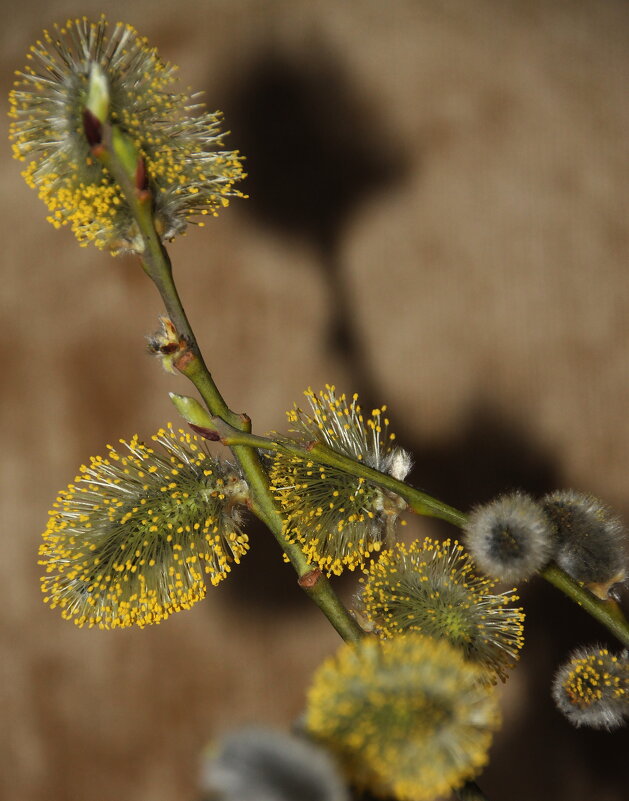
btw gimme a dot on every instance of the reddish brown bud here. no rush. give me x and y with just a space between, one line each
141 176
206 433
309 580
183 362
92 127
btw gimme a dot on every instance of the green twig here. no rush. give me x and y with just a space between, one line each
418 501
606 612
158 267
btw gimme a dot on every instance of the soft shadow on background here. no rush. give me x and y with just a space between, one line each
438 221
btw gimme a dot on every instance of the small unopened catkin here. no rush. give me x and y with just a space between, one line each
509 538
589 540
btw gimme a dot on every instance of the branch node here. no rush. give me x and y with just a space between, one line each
310 579
184 361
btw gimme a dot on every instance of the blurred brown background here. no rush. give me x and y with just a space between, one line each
438 220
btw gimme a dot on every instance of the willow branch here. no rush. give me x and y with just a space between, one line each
606 612
157 265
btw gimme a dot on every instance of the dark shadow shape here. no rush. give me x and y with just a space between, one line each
263 583
488 455
315 152
262 580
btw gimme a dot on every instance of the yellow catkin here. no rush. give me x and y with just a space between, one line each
177 140
592 688
338 519
431 587
129 541
407 717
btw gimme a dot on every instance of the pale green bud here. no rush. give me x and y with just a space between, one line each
98 93
191 410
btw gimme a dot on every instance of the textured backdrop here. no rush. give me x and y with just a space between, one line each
438 220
